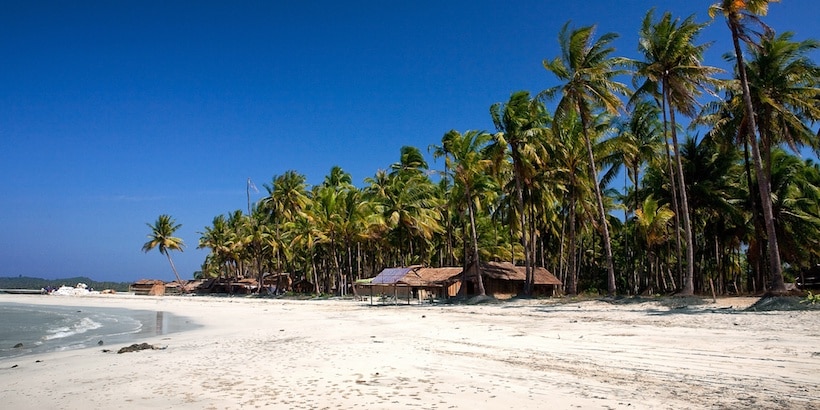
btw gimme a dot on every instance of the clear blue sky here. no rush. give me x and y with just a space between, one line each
112 113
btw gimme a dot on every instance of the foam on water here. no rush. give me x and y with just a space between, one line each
41 329
84 325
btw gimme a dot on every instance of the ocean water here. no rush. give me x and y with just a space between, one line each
41 329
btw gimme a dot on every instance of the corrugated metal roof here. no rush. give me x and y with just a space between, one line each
390 276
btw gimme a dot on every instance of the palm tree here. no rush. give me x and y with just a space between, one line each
218 238
783 82
568 157
796 188
468 162
672 69
736 13
162 237
653 224
287 195
588 74
639 140
518 122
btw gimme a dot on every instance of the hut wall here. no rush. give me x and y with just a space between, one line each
502 289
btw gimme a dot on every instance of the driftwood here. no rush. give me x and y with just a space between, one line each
137 347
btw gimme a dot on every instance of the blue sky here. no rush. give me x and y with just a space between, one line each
112 113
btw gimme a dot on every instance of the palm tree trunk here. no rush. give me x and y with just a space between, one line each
593 173
572 288
476 262
174 268
519 191
688 280
776 273
674 191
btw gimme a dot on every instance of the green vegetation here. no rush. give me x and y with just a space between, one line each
722 205
24 282
162 238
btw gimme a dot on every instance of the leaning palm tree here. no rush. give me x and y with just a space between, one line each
672 70
588 74
162 237
737 13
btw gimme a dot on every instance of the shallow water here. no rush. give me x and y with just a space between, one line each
41 329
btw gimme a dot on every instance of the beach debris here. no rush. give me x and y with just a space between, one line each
106 351
137 347
18 345
14 366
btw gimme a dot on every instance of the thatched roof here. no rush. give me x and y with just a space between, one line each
508 271
418 276
430 276
147 282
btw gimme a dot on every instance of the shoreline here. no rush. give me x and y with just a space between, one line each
281 353
90 327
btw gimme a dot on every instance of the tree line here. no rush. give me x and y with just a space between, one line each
719 203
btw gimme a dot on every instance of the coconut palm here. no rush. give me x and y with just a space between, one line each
568 157
783 82
218 237
796 193
672 70
162 237
467 159
740 16
518 122
653 223
588 73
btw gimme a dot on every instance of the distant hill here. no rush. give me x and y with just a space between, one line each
23 282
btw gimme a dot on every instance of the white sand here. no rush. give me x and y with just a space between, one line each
254 353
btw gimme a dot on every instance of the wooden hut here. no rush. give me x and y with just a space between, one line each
503 280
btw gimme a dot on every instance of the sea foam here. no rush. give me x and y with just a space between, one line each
84 325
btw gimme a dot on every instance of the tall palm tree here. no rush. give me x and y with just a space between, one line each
287 195
783 83
162 237
518 122
639 141
568 156
737 13
218 238
588 73
469 164
673 71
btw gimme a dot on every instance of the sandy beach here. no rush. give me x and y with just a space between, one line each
258 353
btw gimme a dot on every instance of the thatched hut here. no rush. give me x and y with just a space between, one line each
148 287
414 282
504 280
